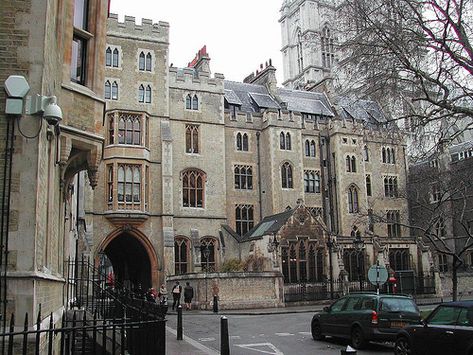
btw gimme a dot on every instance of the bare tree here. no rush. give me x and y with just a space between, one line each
415 57
442 211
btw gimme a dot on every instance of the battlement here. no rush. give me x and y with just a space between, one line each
149 30
195 80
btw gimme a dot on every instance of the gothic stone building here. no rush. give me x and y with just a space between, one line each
193 163
57 46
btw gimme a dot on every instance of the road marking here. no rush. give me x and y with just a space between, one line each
235 337
194 343
283 334
207 339
274 350
305 333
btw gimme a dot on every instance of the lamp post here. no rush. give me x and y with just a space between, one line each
358 244
206 256
330 244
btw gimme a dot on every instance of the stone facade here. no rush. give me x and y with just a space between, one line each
203 166
39 193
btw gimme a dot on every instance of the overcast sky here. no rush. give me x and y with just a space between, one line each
240 35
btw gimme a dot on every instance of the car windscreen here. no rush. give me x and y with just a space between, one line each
398 305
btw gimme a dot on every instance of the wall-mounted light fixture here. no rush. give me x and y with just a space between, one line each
16 88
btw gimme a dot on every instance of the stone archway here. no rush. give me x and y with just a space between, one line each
133 258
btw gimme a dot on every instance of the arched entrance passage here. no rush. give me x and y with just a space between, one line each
133 258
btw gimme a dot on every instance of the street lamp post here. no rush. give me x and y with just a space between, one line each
358 244
330 263
206 256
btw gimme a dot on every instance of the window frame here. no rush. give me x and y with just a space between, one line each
192 137
244 225
287 176
193 188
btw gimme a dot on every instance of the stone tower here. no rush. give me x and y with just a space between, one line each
308 42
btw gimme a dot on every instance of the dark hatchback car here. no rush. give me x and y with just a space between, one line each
362 317
447 330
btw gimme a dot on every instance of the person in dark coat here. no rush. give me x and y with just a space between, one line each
176 295
188 295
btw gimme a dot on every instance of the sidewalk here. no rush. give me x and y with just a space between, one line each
187 346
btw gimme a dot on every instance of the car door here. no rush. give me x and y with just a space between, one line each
333 317
351 313
436 337
463 333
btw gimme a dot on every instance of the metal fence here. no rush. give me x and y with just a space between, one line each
98 319
407 283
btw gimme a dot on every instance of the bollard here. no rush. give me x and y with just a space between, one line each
224 343
348 351
215 304
179 322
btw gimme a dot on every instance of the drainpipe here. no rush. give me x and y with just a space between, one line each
259 175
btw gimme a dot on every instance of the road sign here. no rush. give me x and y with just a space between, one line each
378 275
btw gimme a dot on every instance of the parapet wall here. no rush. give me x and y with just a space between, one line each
147 30
188 78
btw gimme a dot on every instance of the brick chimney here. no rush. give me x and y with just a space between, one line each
201 62
265 75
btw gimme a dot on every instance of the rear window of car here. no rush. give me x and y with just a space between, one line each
398 305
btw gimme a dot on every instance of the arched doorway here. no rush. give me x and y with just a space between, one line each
133 259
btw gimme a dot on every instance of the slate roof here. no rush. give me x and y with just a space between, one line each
235 92
306 102
264 101
268 225
362 110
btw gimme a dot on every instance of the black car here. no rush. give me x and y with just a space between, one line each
362 317
447 330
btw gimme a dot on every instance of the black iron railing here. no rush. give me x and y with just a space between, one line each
99 318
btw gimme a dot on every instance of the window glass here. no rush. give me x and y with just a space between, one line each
80 14
353 303
78 60
398 305
368 303
445 315
465 318
337 306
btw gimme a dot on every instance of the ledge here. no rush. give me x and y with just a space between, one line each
127 217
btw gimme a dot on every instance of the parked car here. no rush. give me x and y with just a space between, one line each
447 330
362 317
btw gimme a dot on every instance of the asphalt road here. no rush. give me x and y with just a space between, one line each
264 334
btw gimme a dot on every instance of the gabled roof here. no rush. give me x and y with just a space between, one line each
306 102
362 110
264 101
239 94
269 225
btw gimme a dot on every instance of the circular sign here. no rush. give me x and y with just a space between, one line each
378 275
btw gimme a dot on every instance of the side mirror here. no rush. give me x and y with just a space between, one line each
326 309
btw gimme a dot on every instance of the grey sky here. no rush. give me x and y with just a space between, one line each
240 35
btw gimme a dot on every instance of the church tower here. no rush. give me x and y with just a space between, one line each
309 42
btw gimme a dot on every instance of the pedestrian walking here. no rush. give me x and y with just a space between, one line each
188 295
163 295
176 295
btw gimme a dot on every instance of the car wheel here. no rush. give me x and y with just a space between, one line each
402 346
357 338
317 331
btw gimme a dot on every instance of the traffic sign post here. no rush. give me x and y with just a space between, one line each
377 275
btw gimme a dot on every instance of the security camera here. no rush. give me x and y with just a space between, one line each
52 112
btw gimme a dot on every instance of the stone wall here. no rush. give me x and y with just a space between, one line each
242 290
465 285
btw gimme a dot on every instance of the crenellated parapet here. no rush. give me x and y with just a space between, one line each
147 30
189 78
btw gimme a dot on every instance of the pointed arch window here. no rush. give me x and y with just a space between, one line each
354 262
114 90
350 163
282 141
288 141
111 129
388 155
208 246
141 93
141 61
393 222
148 94
192 139
129 184
328 50
352 200
181 255
129 129
108 57
193 188
353 164
300 54
110 184
368 185
115 58
399 259
311 181
302 261
286 176
243 177
108 90
366 153
195 103
188 102
148 62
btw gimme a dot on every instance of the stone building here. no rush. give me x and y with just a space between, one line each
194 165
57 46
440 204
